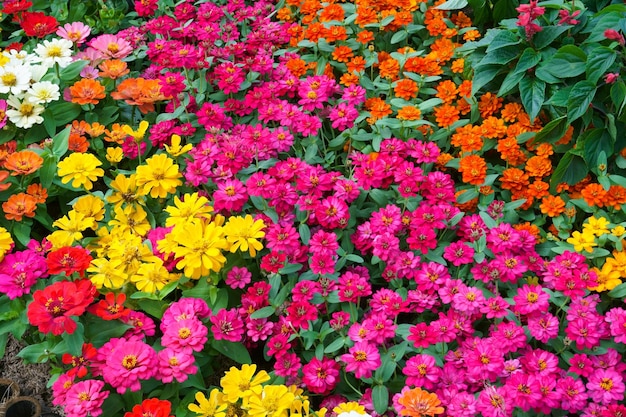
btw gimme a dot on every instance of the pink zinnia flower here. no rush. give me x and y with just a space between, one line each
468 299
543 327
61 387
580 364
230 196
362 359
175 364
19 271
190 332
130 362
238 277
76 32
142 324
421 371
85 398
287 365
605 386
531 299
111 46
321 376
573 394
227 325
3 114
458 253
422 335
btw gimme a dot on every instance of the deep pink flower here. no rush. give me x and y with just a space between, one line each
321 376
85 398
189 332
543 327
362 359
605 386
421 371
580 364
19 271
227 325
531 299
614 35
175 364
573 394
422 335
130 361
287 365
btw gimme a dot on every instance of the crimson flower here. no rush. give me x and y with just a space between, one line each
111 308
69 259
38 24
15 6
80 364
151 407
53 307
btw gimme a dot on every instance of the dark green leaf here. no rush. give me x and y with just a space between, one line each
579 99
553 131
399 37
618 96
529 59
60 142
569 61
510 82
548 35
532 93
595 143
75 340
503 38
21 231
599 61
335 345
452 5
500 56
235 351
305 233
571 169
380 398
483 76
618 292
504 9
48 171
263 312
72 70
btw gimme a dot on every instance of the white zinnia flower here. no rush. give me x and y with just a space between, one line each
19 57
37 72
43 92
22 113
54 51
14 79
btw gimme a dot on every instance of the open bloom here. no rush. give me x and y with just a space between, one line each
80 168
159 176
362 359
85 398
419 403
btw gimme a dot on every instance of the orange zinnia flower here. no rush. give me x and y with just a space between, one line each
335 33
493 128
409 113
616 196
530 228
377 108
296 66
467 138
87 91
446 115
552 205
594 195
113 68
19 205
365 15
364 37
417 402
406 89
447 91
513 179
23 163
511 112
139 92
37 191
356 64
489 104
474 169
332 12
389 68
116 134
343 53
538 189
77 143
538 166
349 79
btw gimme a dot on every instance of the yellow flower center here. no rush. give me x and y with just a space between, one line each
129 361
9 79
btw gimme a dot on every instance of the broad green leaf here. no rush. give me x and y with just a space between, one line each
571 169
305 233
380 398
510 82
504 9
452 5
618 96
263 312
399 37
569 61
553 131
529 59
595 143
500 56
60 142
72 70
618 292
532 93
75 340
483 76
579 99
48 171
503 38
599 61
548 35
235 351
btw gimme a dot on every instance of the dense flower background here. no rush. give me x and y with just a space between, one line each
306 208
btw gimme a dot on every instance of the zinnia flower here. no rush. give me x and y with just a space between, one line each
243 234
159 177
419 403
80 168
87 91
85 398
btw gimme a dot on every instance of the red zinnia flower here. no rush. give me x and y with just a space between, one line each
151 407
69 260
80 364
38 24
52 307
111 308
15 6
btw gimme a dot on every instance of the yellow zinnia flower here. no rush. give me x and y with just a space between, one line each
138 134
239 383
80 168
243 232
582 241
175 149
159 177
608 278
114 155
597 227
72 226
151 277
214 406
125 191
273 401
130 219
92 208
191 209
107 273
6 242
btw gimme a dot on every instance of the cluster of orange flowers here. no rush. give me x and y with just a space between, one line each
22 204
140 92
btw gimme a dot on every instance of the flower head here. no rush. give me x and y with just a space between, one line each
80 168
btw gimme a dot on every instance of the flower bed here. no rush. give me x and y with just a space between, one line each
248 208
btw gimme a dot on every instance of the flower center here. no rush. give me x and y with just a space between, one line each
9 79
129 362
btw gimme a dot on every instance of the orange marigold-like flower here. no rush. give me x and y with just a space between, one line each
23 162
467 138
284 14
364 37
446 115
296 66
538 189
545 150
616 196
334 33
489 104
471 35
139 92
37 191
594 195
474 169
3 177
349 79
113 68
389 68
406 89
77 143
461 20
514 179
365 15
19 205
116 134
426 66
356 64
458 66
87 91
523 195
530 228
511 111
465 88
377 108
493 128
95 129
417 402
436 27
552 206
442 50
332 12
447 91
409 113
510 151
443 159
538 166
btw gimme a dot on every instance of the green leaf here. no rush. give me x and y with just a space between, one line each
579 99
569 61
500 56
452 5
618 96
48 171
21 231
548 35
60 142
72 70
571 169
75 340
483 76
64 112
553 131
599 61
503 38
619 291
399 37
305 233
235 351
532 92
380 398
510 82
529 59
595 143
263 312
335 345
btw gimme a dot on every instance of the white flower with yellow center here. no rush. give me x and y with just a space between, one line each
55 51
14 79
43 92
24 114
19 57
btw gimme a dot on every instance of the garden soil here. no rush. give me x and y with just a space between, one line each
31 378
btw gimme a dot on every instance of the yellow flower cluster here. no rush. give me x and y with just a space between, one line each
243 393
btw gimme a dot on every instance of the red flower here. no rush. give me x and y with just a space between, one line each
80 364
111 308
38 24
53 307
69 260
15 6
152 407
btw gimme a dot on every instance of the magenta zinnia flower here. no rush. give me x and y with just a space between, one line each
362 359
130 362
321 376
85 398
